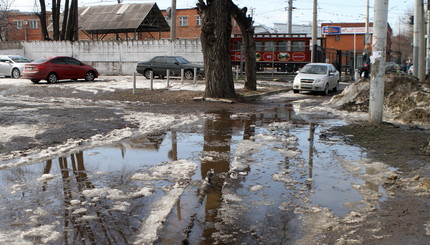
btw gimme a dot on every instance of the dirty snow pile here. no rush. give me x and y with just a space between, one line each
405 99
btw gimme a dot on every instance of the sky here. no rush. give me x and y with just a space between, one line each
267 12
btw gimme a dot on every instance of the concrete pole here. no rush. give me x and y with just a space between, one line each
428 39
366 36
173 22
376 96
290 16
417 30
314 31
422 49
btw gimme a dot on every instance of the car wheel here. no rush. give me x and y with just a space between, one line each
52 78
296 91
326 90
188 74
147 73
90 76
336 88
35 80
16 73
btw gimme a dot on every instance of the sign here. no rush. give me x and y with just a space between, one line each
331 30
298 56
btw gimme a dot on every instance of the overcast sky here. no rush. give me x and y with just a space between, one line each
267 12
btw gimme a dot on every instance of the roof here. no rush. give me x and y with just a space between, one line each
120 18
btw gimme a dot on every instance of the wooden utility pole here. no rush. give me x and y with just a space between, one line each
376 96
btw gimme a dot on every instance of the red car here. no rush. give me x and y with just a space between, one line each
58 68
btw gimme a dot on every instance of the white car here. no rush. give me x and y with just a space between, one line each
319 77
12 65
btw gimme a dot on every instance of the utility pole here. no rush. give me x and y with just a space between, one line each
376 96
422 49
417 35
290 16
367 35
173 22
428 39
314 31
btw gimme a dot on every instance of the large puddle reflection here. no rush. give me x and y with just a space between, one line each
254 171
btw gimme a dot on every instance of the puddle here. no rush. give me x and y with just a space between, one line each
266 166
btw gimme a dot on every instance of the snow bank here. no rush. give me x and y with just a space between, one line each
404 97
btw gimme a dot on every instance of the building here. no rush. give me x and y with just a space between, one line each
350 37
23 26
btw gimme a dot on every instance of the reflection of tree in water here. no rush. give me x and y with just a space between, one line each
103 217
217 140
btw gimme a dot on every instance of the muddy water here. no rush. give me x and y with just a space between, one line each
286 166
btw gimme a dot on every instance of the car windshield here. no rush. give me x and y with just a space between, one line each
41 60
19 59
182 60
314 69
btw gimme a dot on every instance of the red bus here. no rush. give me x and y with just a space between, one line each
283 52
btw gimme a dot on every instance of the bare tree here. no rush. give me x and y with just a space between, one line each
42 18
246 25
69 24
4 19
215 37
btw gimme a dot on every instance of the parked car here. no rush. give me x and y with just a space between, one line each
59 68
160 64
392 67
320 77
12 65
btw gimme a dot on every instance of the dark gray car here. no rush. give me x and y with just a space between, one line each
160 64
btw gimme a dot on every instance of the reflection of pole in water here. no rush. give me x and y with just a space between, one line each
249 127
173 154
311 151
46 170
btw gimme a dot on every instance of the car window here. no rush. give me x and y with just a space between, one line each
159 60
19 59
314 69
38 61
72 61
4 60
182 60
171 60
59 61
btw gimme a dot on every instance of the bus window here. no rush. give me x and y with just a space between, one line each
269 46
282 46
298 46
258 46
237 46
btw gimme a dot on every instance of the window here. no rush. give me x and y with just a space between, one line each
183 20
171 60
199 20
33 24
19 24
72 61
337 37
159 60
298 46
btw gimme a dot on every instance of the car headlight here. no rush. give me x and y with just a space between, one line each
318 81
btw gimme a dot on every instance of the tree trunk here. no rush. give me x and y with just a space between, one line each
56 4
42 17
247 28
71 21
65 18
215 38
